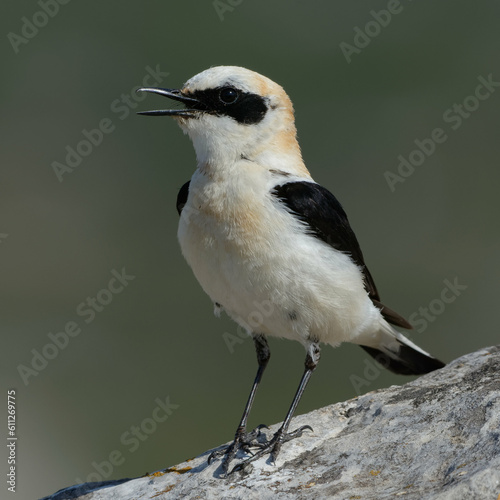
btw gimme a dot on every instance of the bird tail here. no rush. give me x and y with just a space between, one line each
399 355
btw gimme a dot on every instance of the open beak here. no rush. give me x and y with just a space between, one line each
176 95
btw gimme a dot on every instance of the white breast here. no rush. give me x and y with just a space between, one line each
255 259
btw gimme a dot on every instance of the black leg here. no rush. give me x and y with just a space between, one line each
274 445
242 439
263 355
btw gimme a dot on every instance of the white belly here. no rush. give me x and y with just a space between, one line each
255 260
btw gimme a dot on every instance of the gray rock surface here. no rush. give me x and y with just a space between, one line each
437 437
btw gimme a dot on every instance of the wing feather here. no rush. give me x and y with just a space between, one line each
323 214
182 197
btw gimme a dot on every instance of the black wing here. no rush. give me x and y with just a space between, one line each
326 219
182 197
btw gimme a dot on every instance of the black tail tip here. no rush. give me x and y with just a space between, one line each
407 362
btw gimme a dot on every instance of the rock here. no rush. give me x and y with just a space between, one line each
437 437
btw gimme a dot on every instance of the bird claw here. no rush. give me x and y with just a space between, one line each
296 433
216 454
254 434
272 447
242 441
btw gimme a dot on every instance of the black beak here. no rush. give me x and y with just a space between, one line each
176 95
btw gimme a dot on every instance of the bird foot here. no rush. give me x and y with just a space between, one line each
271 447
242 441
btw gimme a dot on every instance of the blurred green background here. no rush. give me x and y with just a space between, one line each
158 338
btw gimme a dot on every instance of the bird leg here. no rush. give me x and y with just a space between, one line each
273 446
242 439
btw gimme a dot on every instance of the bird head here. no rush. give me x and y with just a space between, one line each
232 113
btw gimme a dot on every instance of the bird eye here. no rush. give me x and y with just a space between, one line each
228 95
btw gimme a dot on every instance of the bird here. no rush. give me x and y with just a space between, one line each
260 235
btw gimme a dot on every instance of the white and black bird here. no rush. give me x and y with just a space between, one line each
261 235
